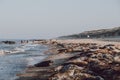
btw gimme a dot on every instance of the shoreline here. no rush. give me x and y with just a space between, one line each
77 59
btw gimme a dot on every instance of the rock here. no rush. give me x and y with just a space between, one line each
74 57
62 50
57 69
77 50
98 66
44 64
99 78
66 73
117 59
93 47
102 47
91 73
110 45
60 45
93 78
117 47
104 51
70 50
108 73
78 62
116 68
68 67
8 42
83 76
105 57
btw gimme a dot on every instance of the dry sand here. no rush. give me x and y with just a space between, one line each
88 41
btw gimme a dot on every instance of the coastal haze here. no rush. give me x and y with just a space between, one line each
59 39
28 19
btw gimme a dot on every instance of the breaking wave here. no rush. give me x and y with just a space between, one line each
18 49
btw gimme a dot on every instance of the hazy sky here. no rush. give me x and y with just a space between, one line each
51 18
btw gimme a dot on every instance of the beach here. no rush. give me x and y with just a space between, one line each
76 59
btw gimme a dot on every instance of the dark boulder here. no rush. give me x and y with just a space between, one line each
8 42
62 50
44 64
60 45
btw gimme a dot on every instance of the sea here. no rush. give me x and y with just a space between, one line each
14 58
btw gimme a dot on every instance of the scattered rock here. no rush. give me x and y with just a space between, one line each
90 62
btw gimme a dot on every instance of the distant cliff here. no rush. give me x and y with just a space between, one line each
102 33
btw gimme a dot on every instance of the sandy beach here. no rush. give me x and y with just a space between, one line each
77 59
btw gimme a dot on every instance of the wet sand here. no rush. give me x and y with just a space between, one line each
77 59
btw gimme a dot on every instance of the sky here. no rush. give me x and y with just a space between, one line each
38 19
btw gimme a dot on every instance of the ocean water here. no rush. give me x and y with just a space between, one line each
15 58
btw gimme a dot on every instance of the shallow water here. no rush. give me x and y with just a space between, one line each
15 58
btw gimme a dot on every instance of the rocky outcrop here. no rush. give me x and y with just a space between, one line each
90 61
8 42
94 62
